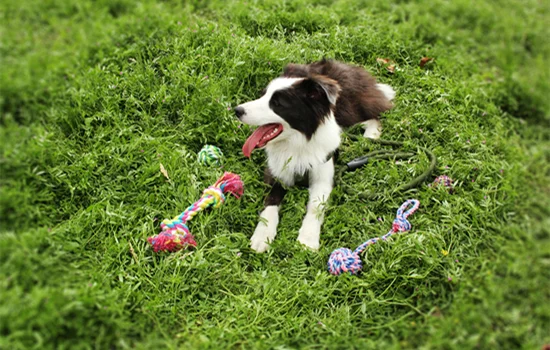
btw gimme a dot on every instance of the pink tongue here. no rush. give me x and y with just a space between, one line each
252 141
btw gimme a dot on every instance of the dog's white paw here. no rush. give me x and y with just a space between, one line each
310 233
263 235
309 242
373 129
266 230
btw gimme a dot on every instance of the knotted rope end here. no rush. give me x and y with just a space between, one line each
175 234
170 241
344 260
231 183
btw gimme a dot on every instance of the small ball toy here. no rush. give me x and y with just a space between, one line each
175 234
344 260
210 155
444 180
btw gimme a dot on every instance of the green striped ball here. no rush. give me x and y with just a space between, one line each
210 155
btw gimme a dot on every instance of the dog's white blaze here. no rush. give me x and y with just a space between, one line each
280 83
266 230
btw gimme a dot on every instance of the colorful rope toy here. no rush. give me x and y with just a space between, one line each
175 234
210 155
344 260
443 180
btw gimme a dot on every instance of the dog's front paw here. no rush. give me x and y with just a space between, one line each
263 235
309 234
309 242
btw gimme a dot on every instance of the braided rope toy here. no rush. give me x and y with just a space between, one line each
344 260
210 155
175 234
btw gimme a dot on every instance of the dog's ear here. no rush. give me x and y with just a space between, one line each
323 84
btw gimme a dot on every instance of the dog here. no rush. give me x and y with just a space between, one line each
300 118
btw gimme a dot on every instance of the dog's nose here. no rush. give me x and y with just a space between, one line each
239 111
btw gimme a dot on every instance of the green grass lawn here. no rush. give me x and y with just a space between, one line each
95 95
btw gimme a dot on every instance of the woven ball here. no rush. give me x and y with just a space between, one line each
344 260
444 180
210 155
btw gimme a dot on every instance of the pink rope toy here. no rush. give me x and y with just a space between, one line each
175 234
344 260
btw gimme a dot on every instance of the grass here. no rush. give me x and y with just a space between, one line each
96 95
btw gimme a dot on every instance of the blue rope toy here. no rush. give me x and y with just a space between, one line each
344 260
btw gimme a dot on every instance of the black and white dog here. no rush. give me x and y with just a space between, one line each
299 119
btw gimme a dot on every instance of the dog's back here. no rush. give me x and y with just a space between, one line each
360 98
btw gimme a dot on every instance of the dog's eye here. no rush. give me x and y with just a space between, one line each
279 100
284 102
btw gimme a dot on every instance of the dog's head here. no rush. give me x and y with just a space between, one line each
289 105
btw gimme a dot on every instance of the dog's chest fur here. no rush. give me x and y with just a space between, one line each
292 157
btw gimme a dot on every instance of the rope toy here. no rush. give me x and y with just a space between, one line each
175 234
210 155
344 260
443 180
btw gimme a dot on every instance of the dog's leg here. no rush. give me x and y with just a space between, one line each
373 129
266 230
321 180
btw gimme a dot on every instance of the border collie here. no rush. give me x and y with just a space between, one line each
299 119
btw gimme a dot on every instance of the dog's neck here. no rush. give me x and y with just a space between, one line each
294 155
